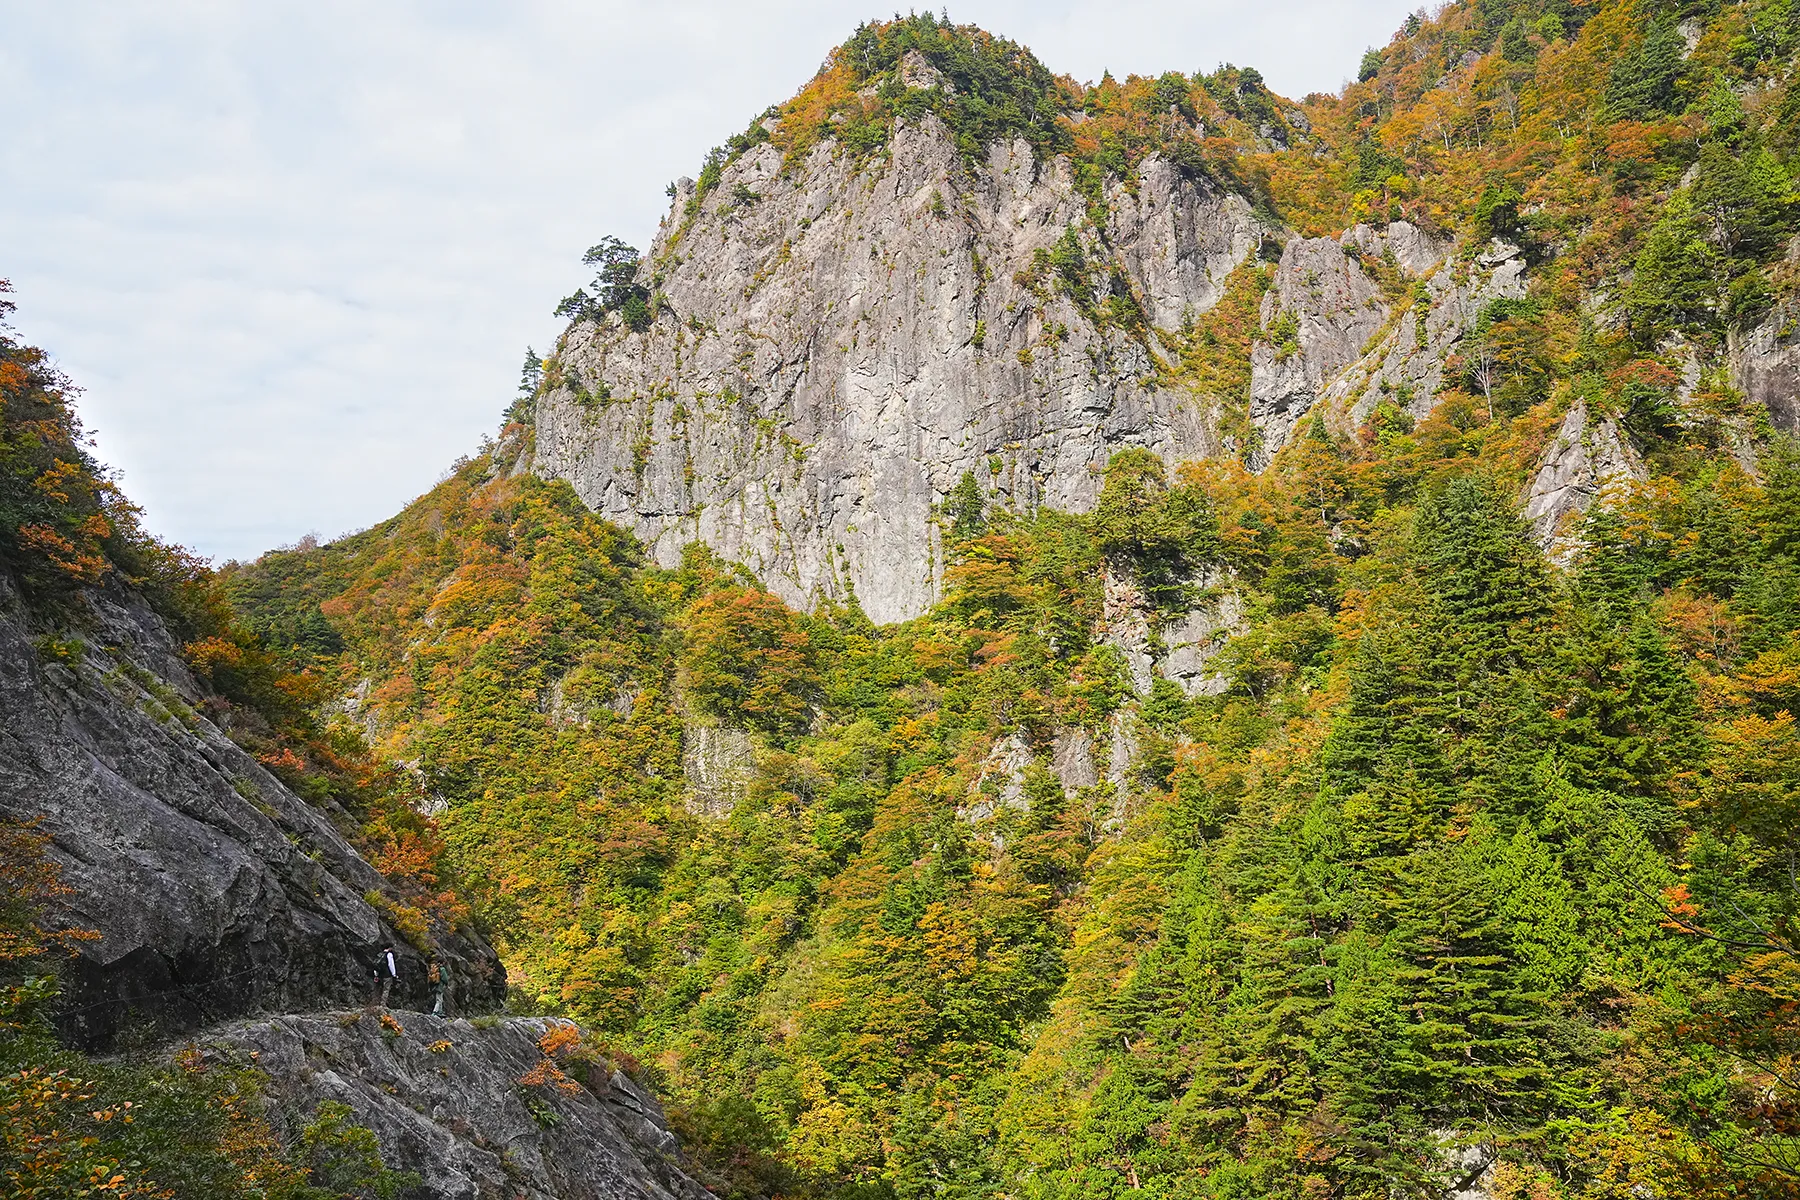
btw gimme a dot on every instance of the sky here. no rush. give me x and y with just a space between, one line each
293 253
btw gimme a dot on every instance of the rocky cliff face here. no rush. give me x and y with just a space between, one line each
1766 363
1588 455
1420 333
455 1101
1333 308
216 890
840 346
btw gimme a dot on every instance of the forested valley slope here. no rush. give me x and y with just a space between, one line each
1139 639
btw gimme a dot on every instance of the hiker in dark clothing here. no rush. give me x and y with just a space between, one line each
385 972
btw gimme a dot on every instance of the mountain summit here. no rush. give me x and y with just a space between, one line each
940 263
898 279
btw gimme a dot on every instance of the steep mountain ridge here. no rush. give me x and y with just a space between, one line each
832 336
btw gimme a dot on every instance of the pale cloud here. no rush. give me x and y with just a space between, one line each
294 252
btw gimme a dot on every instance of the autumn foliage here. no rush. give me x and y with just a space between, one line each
748 658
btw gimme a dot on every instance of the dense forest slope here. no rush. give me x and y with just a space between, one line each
1152 640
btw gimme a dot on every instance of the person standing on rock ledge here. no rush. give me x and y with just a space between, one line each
383 974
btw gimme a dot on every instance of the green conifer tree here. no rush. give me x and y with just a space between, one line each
1482 1037
1643 83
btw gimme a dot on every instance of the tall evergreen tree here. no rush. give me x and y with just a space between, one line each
1482 1036
1484 579
1484 630
1674 284
1642 84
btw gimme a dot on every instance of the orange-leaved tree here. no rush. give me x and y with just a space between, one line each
748 657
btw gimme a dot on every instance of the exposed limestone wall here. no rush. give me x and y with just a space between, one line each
1192 644
1587 456
717 763
840 346
1335 308
1765 364
1406 362
1181 650
1177 243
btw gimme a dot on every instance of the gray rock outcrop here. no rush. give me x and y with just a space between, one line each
1588 455
1125 622
1177 242
1122 743
1334 309
469 1106
839 345
1072 760
216 891
1765 364
1185 646
1406 362
1001 783
1193 644
836 344
717 763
